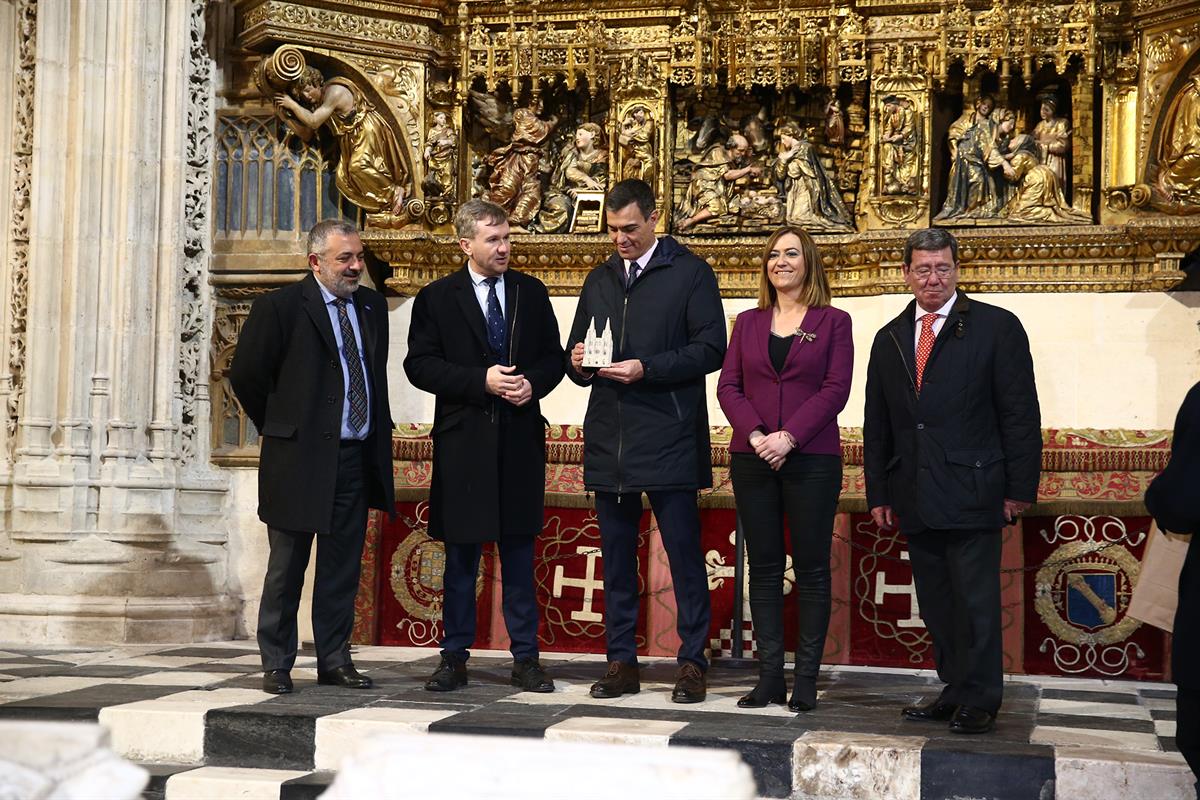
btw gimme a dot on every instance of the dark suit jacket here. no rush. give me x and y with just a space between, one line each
287 375
489 457
805 398
948 458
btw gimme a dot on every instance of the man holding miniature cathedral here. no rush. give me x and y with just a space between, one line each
646 428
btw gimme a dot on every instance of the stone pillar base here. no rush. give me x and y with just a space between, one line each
62 619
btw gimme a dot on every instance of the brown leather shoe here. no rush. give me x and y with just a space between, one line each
620 679
690 686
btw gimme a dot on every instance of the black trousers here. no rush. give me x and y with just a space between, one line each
679 524
805 491
519 604
1187 727
339 559
957 577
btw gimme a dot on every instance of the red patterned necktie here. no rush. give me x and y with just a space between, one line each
925 345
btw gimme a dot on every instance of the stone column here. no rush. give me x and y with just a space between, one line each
115 524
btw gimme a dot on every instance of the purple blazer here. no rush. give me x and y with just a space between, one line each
805 398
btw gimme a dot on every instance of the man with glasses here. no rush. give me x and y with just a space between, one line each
311 373
952 453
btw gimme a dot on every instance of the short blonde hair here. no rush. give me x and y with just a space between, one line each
815 291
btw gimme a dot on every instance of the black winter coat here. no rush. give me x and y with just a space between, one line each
1173 499
949 457
287 375
652 434
489 457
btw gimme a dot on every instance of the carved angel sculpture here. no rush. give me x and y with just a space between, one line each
370 169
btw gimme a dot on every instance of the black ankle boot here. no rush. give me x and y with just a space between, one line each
769 689
767 616
810 646
804 694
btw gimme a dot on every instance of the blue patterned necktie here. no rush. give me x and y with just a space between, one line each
634 270
357 394
495 319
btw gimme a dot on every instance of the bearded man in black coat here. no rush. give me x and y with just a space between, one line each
311 373
952 451
484 341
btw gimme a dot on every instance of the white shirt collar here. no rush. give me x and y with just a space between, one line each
944 311
645 257
478 279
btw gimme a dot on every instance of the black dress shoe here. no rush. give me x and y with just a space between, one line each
690 687
804 695
972 720
346 676
449 675
933 711
277 681
620 679
529 675
765 692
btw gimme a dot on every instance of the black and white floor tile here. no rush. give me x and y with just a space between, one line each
196 717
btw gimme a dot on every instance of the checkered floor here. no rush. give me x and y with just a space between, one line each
196 717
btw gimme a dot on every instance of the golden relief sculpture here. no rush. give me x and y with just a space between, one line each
638 145
1178 176
371 169
441 158
519 167
899 158
844 117
582 168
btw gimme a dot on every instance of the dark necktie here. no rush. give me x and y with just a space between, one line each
495 319
633 269
357 394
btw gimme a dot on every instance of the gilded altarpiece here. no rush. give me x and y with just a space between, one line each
1058 140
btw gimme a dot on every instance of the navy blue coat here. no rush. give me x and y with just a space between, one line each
652 434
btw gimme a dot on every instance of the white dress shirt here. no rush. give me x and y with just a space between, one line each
942 313
641 261
481 290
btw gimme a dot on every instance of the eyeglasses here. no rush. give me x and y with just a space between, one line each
924 273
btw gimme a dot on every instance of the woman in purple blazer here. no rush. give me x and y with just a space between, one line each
785 378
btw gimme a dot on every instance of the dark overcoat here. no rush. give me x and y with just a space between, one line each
489 457
1173 498
287 375
947 457
652 434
